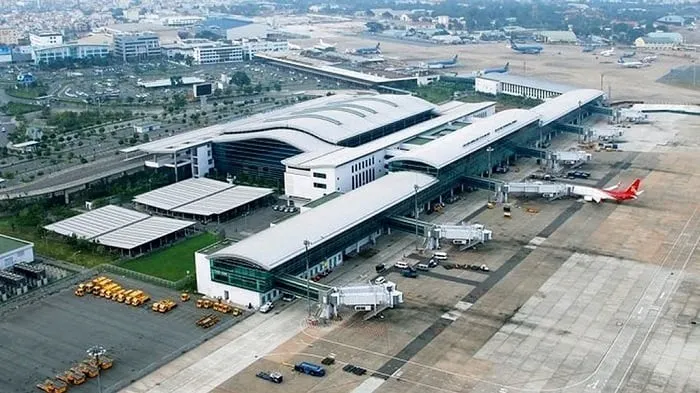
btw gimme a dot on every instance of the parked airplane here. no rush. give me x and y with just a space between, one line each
293 47
591 194
441 63
649 59
322 46
630 64
627 55
526 49
371 50
495 70
608 53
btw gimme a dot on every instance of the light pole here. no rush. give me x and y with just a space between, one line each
489 150
308 276
580 127
415 207
95 352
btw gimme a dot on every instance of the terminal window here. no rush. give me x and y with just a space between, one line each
319 185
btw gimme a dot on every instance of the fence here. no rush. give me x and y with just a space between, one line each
179 284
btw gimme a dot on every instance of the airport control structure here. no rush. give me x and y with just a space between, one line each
364 165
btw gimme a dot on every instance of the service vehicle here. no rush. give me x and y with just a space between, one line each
310 369
267 307
270 376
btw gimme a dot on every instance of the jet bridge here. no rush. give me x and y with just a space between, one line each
466 236
365 297
546 190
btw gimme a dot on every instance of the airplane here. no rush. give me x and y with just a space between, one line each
526 49
441 63
495 70
371 50
607 53
627 55
322 46
649 59
293 47
630 64
591 194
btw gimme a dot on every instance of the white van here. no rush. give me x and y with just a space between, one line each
440 256
401 265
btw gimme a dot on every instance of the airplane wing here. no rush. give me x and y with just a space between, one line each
596 199
612 187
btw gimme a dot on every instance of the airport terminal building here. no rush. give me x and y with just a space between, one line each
260 267
315 148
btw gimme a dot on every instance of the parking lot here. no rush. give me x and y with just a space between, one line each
51 335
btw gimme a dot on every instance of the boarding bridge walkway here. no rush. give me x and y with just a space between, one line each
483 182
466 236
572 128
408 224
298 287
601 109
547 190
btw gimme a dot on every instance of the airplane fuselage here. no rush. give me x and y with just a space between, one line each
591 194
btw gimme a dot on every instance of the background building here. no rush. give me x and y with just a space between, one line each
135 47
556 37
253 46
9 36
13 251
46 39
49 54
659 40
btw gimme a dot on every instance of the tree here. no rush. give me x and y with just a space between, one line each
240 79
258 87
277 86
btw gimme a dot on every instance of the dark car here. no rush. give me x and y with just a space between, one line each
578 175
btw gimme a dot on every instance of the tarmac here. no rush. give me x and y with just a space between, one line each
51 334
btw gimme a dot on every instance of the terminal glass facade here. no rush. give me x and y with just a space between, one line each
257 158
241 274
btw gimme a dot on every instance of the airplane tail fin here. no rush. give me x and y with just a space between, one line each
507 66
634 187
378 43
454 59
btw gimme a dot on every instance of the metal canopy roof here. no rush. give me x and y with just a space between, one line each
340 156
458 144
142 232
96 222
327 120
529 82
181 193
557 107
277 245
224 201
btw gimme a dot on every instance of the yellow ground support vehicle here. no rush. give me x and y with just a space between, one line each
90 284
121 297
115 294
87 369
107 290
80 290
105 363
99 285
133 295
236 312
163 306
222 307
50 386
139 299
72 377
207 321
110 291
204 303
184 297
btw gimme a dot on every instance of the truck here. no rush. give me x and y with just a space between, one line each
270 376
121 297
107 290
163 306
72 377
310 369
135 294
139 299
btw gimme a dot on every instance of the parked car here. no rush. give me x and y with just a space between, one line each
267 307
380 280
380 268
401 265
432 263
578 175
288 297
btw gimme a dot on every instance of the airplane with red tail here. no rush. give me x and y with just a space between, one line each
591 194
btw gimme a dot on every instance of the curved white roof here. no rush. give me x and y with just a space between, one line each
469 139
342 117
284 241
555 108
306 125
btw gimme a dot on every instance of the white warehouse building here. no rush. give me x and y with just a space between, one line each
519 86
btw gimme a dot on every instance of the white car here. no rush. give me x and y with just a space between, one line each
265 308
380 280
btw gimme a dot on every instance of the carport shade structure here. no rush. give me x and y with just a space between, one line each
145 235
